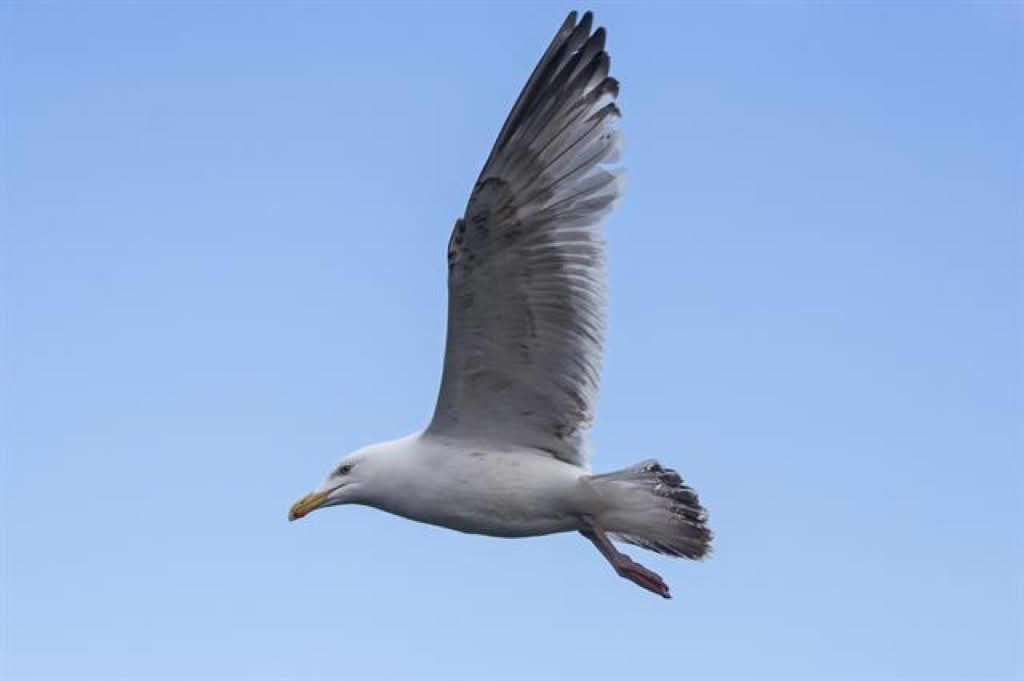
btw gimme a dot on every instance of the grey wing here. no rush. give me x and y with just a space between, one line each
526 284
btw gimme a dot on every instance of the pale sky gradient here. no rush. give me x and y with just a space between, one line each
223 234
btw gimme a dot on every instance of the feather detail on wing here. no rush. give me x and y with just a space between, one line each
526 288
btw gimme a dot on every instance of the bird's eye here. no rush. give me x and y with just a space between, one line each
344 468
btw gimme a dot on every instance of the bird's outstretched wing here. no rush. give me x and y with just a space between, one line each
526 288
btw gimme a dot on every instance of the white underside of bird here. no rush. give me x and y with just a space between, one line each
504 454
479 488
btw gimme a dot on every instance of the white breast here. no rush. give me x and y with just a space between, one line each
465 487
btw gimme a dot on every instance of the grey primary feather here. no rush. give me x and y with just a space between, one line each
526 284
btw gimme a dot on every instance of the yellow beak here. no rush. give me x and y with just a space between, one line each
308 503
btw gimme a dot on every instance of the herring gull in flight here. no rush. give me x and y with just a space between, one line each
504 454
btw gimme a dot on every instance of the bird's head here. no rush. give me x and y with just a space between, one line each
341 486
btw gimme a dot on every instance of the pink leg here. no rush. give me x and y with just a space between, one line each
624 565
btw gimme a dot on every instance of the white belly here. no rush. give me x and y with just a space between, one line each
503 494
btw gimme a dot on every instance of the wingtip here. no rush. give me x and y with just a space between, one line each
587 21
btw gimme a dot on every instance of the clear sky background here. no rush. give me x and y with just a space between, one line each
223 234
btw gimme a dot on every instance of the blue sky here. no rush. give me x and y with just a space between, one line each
223 267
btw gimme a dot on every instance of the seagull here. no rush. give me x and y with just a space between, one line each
505 454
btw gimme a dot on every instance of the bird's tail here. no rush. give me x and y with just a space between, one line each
650 506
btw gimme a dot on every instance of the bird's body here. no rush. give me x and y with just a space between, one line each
477 487
504 454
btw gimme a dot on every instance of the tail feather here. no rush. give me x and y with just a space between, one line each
651 507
